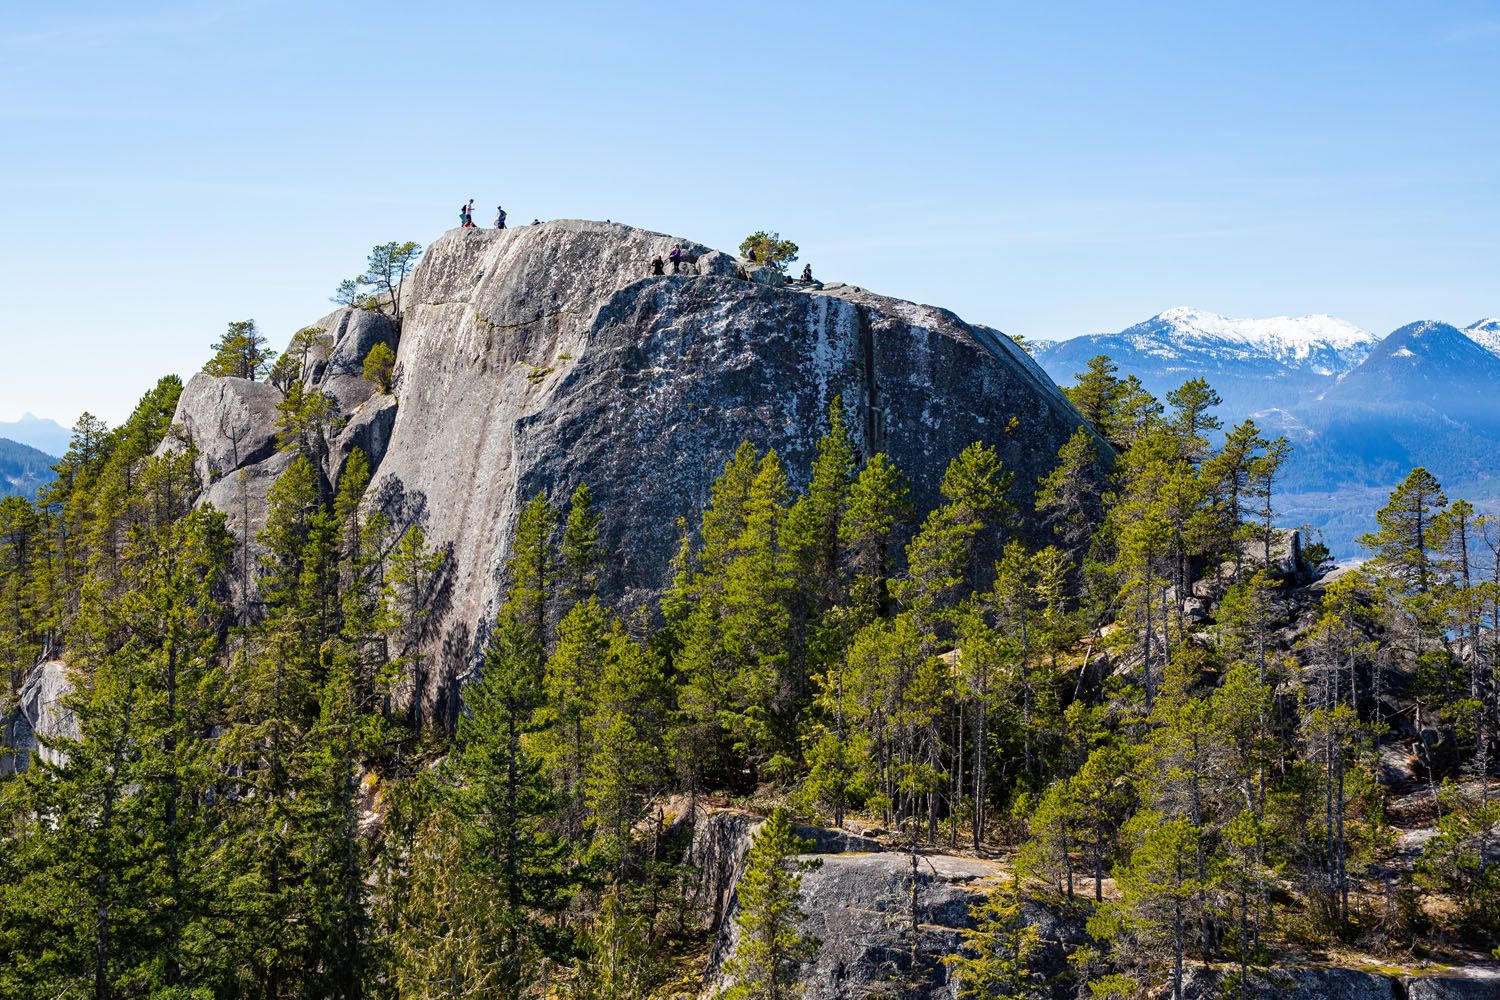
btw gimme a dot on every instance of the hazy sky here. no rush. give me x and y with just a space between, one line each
1051 169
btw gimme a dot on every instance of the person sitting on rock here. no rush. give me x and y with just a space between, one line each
499 217
807 273
657 267
675 256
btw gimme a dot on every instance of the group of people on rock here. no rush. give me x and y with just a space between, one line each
658 266
466 216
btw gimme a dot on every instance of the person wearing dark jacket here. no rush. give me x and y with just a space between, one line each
657 267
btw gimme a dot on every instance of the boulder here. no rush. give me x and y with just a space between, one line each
1477 983
39 714
857 903
771 277
232 421
1200 983
720 841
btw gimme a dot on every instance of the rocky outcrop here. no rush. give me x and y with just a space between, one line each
233 422
543 357
39 714
1467 984
538 358
1349 984
857 902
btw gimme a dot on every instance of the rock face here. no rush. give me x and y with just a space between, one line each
857 902
547 356
232 422
39 713
543 357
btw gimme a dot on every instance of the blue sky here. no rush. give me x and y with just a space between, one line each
1051 169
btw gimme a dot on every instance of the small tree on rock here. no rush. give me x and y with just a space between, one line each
764 964
769 249
240 353
380 366
999 960
385 272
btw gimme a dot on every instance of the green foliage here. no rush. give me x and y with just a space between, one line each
240 353
1458 862
769 249
379 287
265 798
380 366
771 944
999 960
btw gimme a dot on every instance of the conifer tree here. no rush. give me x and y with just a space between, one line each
771 945
879 503
240 353
1403 543
582 556
1069 497
1000 956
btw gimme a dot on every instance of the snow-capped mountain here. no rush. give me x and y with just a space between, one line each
1486 333
1427 364
1359 410
1253 363
1321 344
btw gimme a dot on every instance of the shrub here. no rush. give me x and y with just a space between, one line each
380 366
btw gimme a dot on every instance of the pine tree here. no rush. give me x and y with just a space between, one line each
879 503
564 740
1000 960
496 786
1160 891
1192 420
1402 545
1097 394
582 555
770 945
628 725
1070 497
240 353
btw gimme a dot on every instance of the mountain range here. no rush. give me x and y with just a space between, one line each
1360 410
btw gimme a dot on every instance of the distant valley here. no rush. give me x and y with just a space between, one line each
1360 410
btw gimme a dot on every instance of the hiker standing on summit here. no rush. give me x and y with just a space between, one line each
499 217
675 257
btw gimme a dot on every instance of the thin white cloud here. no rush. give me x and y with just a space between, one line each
1474 32
103 31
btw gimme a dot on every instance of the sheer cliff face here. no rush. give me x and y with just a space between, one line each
542 357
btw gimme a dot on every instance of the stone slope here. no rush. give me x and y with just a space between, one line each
857 903
547 356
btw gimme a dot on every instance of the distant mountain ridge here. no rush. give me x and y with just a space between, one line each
1360 410
1485 333
45 435
1253 363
